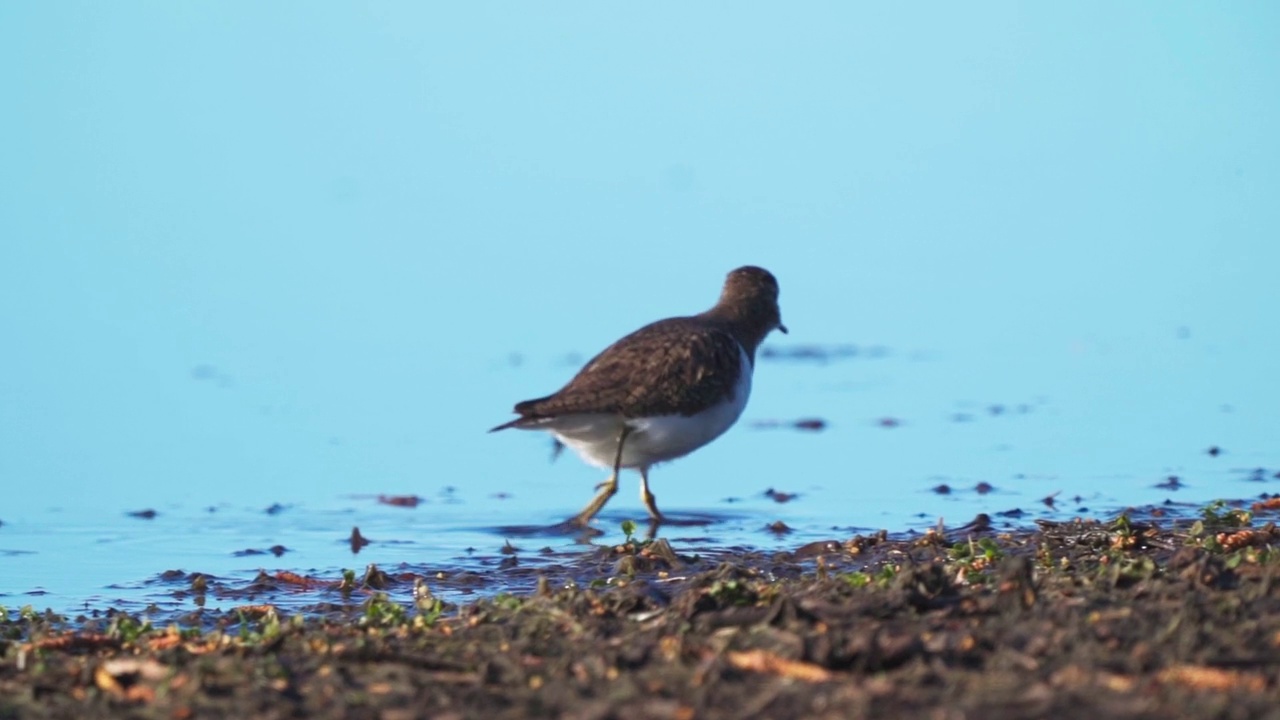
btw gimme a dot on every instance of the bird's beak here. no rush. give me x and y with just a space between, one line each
783 328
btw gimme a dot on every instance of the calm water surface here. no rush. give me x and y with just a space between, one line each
894 430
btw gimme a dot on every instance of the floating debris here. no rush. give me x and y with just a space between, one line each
147 514
1254 474
806 424
980 523
1270 503
357 540
814 549
286 577
817 353
404 501
779 496
276 550
778 527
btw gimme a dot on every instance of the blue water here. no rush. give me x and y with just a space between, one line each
250 258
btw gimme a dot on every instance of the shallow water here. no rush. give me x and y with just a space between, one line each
1053 454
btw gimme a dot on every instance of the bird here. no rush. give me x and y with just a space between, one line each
663 391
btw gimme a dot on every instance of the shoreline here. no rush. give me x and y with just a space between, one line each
1125 617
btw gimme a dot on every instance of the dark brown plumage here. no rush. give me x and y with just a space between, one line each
680 365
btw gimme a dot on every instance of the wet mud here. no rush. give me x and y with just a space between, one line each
1135 616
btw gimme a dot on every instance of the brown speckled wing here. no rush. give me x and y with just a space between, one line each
676 366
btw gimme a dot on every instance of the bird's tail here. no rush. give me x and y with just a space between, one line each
505 425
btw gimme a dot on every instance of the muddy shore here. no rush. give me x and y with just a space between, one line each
1126 617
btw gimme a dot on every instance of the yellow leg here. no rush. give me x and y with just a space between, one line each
607 489
650 501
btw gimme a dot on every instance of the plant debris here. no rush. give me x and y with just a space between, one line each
1128 617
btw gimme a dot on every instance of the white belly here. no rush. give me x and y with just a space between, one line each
594 437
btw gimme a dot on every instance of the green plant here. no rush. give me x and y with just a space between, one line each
1219 514
127 628
348 582
732 592
381 611
429 613
857 579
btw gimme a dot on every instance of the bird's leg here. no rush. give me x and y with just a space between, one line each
650 501
606 488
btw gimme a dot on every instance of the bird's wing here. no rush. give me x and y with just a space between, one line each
672 365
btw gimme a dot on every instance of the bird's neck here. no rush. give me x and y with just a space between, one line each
748 328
